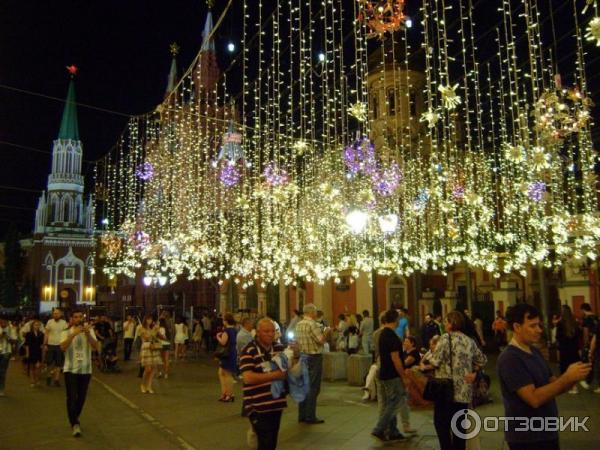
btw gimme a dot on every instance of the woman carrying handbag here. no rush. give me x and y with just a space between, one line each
457 359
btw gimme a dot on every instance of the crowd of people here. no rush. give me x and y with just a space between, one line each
440 366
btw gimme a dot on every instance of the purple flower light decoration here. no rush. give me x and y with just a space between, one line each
458 192
145 171
386 182
275 175
140 240
536 190
229 175
360 157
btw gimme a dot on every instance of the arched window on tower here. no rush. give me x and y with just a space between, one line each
375 105
67 208
54 209
413 103
391 101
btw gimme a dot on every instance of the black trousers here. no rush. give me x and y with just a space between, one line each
442 418
545 445
266 427
77 386
127 346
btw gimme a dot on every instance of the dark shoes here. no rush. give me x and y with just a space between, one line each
380 436
314 421
391 438
396 437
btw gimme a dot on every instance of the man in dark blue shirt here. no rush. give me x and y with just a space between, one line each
528 386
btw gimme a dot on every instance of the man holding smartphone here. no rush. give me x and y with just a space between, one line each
77 342
529 389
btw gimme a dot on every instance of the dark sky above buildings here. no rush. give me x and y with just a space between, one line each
122 50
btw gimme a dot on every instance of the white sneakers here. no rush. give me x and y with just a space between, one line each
584 384
76 430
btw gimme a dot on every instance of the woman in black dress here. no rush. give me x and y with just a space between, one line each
34 341
568 335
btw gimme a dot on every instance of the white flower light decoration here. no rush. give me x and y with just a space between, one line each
431 117
514 153
540 160
359 111
449 96
300 146
593 31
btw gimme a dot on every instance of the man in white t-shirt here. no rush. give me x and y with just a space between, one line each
77 342
54 355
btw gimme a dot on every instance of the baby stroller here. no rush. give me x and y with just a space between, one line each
108 358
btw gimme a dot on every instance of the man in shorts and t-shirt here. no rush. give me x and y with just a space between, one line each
54 355
77 342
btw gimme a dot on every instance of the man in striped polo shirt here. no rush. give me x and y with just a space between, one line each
77 342
262 409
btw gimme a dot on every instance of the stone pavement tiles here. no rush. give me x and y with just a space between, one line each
185 413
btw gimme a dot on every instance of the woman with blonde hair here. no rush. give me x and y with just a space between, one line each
149 353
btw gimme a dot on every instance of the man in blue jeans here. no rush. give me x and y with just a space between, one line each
5 352
394 397
311 337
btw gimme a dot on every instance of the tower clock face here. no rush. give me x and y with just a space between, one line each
64 294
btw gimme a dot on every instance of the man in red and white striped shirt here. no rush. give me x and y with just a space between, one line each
263 410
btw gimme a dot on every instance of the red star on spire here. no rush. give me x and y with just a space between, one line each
72 69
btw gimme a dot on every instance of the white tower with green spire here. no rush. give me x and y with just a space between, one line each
62 207
62 265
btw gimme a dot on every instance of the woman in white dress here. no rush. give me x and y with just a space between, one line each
181 336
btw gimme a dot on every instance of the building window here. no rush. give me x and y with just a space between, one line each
391 102
413 103
375 106
69 275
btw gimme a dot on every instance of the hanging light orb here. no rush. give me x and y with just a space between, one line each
388 223
357 220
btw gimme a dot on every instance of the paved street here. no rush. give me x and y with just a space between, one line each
185 414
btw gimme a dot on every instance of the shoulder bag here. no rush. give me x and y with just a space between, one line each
441 389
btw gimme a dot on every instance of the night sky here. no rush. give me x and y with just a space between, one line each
122 50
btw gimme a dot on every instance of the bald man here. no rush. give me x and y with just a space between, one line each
262 409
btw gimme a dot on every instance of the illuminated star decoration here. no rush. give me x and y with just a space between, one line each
359 111
540 160
275 176
450 98
174 49
386 181
145 171
360 157
300 146
72 69
431 117
536 190
593 31
514 153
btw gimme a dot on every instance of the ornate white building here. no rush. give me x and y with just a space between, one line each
60 253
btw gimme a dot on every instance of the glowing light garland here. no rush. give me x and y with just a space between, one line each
262 189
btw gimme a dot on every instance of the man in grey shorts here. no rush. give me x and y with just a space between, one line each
54 355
